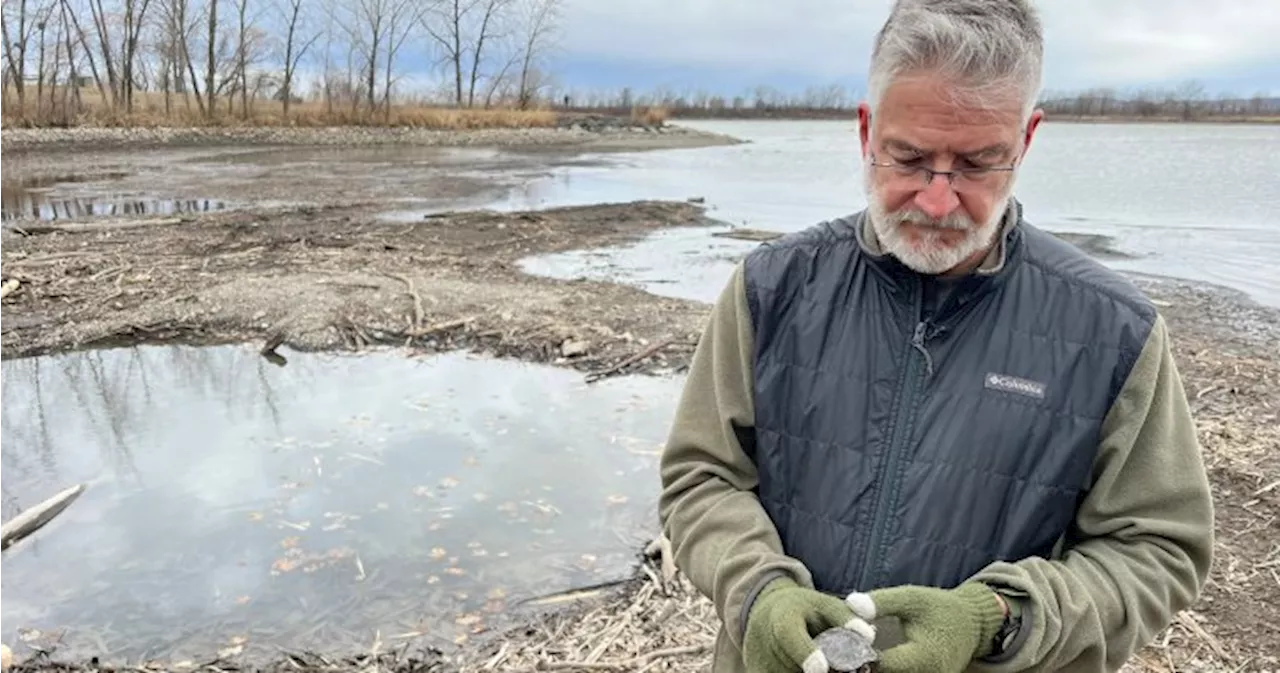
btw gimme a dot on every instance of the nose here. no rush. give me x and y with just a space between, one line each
937 199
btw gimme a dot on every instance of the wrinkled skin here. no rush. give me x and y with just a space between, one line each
938 229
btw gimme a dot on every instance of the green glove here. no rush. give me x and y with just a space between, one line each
945 629
781 625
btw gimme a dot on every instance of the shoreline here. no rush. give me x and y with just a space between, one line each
599 134
851 115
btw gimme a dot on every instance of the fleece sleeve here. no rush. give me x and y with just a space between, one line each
722 538
1143 538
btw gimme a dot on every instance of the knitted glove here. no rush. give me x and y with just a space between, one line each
781 625
945 629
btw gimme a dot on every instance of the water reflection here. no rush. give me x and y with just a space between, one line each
236 504
37 199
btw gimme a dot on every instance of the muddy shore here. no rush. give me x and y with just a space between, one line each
597 134
335 276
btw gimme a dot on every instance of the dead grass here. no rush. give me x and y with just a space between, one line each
657 623
650 115
152 111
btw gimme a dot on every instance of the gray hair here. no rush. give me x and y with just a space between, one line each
991 48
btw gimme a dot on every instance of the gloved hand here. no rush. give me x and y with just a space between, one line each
945 629
782 623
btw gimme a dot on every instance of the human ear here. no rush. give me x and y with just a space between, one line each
864 127
1032 124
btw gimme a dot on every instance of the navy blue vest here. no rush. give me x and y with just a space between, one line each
898 447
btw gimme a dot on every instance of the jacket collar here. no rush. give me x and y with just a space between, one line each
994 270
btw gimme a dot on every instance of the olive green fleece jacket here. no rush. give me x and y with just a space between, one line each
1146 524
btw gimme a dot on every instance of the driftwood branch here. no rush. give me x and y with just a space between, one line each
574 593
103 225
34 518
628 665
653 348
416 326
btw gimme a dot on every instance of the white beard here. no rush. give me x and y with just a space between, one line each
931 254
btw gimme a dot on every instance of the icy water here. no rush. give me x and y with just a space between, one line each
234 504
1200 202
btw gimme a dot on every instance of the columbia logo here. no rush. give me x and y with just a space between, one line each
1013 384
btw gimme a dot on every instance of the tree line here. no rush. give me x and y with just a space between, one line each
1190 100
221 57
347 59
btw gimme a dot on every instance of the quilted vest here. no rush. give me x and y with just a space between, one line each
896 446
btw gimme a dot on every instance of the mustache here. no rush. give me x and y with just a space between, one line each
954 220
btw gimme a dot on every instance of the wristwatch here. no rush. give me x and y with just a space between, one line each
1008 628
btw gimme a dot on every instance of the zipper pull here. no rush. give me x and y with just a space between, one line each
917 342
917 339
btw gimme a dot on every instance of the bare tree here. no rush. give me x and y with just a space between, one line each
1190 96
401 20
444 21
135 12
211 63
491 18
251 47
296 43
17 40
538 24
378 30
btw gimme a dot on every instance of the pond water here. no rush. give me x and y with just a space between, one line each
238 505
1196 201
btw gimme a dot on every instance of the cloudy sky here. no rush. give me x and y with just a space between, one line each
730 46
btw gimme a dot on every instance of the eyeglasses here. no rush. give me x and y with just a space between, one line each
961 179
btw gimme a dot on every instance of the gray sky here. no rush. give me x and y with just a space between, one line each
1230 45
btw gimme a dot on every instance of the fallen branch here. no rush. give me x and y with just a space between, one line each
440 327
647 352
82 227
574 594
628 665
1188 622
268 350
35 518
417 303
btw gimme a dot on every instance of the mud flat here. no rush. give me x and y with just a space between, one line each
592 133
329 278
84 174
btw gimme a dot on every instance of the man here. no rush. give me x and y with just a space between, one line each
930 421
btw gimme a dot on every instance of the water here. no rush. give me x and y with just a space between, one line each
64 198
1193 201
233 504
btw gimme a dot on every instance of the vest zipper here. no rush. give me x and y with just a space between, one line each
890 477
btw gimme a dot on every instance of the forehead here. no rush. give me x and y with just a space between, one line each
921 112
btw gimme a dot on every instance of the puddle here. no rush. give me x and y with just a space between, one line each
236 504
682 263
74 197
